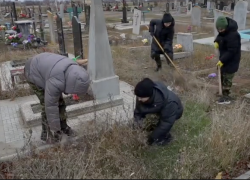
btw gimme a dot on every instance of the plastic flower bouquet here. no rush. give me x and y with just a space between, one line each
15 38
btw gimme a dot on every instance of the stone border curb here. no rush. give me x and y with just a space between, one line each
244 176
34 119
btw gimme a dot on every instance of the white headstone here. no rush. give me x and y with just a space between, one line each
136 21
186 40
196 16
240 14
105 83
62 11
51 28
189 8
208 5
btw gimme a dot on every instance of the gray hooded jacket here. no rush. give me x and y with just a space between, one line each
56 74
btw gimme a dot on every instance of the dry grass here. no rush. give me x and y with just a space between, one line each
205 143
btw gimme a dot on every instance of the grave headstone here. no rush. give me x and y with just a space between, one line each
105 84
167 7
186 40
62 11
77 37
24 27
13 12
124 14
29 12
136 21
208 5
75 13
87 14
41 25
189 8
51 28
196 16
61 42
240 14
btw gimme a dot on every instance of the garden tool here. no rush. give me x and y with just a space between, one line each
219 80
179 78
219 73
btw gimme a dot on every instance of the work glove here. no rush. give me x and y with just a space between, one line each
219 64
216 45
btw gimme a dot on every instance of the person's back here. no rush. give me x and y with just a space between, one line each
50 75
46 65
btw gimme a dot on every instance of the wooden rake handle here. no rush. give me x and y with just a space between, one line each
166 54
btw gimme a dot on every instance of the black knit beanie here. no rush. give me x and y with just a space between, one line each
167 18
144 88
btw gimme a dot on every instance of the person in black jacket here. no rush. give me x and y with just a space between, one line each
163 30
228 41
155 98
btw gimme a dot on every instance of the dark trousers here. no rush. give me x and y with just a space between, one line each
157 58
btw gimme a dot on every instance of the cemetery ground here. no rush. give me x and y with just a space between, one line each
208 139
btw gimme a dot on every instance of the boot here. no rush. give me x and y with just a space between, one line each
158 63
68 131
158 68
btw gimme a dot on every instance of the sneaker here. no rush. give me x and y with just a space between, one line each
224 100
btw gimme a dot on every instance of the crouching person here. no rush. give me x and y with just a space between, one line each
50 75
155 98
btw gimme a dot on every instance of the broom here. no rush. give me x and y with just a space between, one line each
179 78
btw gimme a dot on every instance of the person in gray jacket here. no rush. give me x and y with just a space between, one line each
155 98
50 75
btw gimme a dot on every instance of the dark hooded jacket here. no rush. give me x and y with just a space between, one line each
229 47
56 74
164 103
164 35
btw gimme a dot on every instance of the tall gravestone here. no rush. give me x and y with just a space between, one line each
62 11
240 14
105 83
13 10
124 14
61 42
167 7
77 37
51 28
136 21
87 15
196 16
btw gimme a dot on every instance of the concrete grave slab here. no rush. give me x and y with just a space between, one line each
34 119
127 26
245 44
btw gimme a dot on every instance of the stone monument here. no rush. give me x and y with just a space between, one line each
105 83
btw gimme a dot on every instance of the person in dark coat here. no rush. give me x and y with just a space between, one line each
155 98
163 30
228 41
50 75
